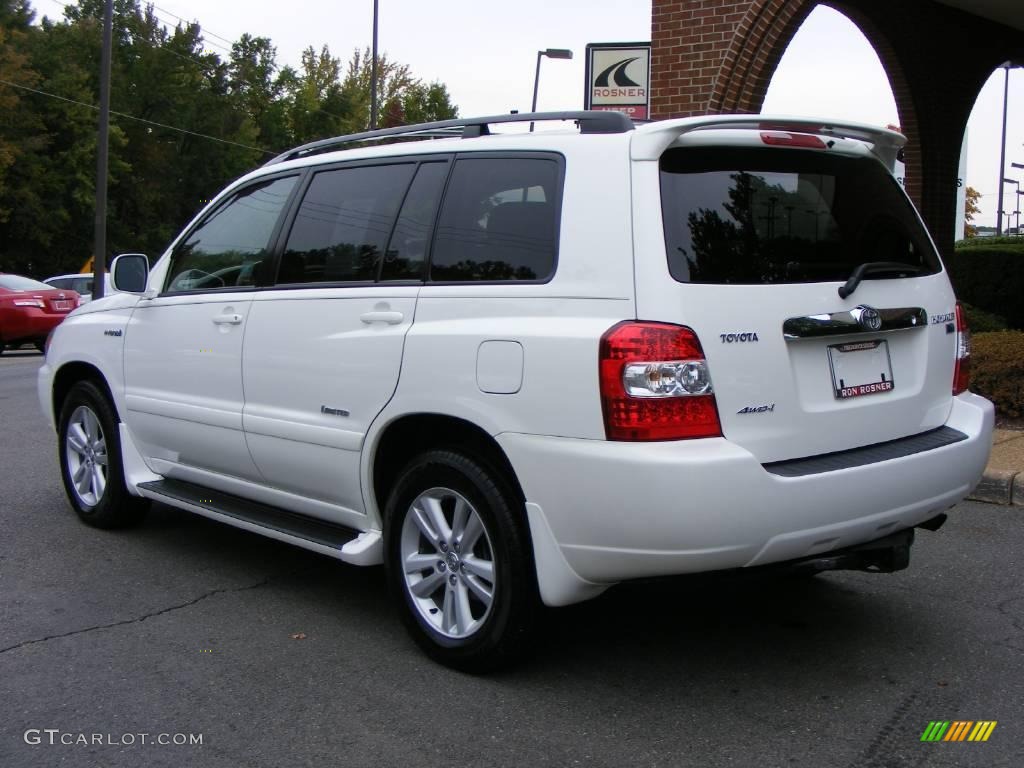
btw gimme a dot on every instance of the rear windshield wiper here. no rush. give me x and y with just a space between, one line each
875 268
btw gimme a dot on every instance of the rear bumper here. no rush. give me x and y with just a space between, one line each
617 511
27 324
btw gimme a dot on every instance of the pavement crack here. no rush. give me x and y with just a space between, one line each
1004 608
137 619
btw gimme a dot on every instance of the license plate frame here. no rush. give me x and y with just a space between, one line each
62 305
853 372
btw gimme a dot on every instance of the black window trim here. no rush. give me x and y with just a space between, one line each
299 174
559 160
279 236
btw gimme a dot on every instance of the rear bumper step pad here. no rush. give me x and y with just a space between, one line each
869 454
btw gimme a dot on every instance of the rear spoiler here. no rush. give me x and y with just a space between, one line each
651 140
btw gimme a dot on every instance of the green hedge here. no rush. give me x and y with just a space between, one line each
997 370
990 276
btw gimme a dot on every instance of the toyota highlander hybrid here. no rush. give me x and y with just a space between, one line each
518 368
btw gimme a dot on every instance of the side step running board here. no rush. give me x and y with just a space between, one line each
334 540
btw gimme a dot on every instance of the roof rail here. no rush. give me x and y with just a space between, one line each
590 121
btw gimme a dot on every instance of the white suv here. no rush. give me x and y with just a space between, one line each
517 368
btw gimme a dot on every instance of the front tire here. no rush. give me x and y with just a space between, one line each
459 562
90 460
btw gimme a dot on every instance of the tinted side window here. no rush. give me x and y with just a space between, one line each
226 248
407 249
63 283
343 224
82 284
499 221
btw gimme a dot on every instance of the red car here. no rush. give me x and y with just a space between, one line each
29 310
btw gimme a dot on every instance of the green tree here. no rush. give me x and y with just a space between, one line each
971 199
184 122
19 124
403 99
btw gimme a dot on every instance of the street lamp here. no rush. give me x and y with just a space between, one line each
1006 66
551 53
373 73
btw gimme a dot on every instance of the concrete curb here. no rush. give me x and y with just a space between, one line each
1000 486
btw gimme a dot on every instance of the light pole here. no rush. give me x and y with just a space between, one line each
373 73
1006 66
551 53
99 258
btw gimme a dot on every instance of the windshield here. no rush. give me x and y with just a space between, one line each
19 283
751 215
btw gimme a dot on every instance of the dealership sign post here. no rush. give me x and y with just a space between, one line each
618 78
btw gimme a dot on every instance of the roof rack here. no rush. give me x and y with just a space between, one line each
590 121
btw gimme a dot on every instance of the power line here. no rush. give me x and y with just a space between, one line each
137 119
208 32
167 23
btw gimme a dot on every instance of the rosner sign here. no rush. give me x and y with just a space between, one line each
618 78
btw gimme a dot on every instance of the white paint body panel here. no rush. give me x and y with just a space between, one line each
314 348
627 510
183 382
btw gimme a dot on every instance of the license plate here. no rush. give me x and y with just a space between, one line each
59 304
860 368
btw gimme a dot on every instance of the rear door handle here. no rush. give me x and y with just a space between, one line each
228 319
382 316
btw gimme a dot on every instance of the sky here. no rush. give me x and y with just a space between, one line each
486 54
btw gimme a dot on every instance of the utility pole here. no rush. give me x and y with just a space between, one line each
1002 150
373 73
99 260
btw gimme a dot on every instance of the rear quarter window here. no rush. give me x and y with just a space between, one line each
499 221
755 216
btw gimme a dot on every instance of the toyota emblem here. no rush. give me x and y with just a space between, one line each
869 319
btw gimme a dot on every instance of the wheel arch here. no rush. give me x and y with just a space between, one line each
411 434
70 374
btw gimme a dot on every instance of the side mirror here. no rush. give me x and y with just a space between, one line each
128 272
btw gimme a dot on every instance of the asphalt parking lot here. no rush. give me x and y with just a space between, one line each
275 656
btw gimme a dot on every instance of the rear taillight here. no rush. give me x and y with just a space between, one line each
655 384
962 369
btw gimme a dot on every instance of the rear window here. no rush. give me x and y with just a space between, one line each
755 216
19 283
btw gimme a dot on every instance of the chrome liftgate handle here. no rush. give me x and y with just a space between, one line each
860 319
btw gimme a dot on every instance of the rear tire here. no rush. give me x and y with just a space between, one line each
90 460
459 562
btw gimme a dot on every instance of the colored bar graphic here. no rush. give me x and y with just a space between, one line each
982 730
958 730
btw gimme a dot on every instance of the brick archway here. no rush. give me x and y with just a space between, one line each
713 56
